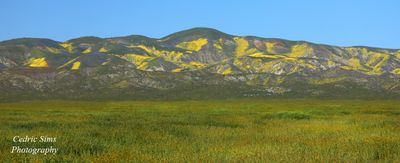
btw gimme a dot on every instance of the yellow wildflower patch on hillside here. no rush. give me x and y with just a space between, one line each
308 65
300 50
194 64
326 80
396 71
227 71
331 64
294 69
289 59
76 65
267 66
354 64
197 64
69 62
194 45
280 80
106 62
67 46
259 55
135 58
346 67
398 55
172 56
145 48
262 55
143 66
376 61
239 63
87 51
217 45
140 61
53 50
177 70
270 47
38 62
103 50
241 46
251 51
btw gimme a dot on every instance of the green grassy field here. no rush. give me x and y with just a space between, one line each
210 131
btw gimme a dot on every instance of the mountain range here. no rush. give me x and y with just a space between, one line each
199 63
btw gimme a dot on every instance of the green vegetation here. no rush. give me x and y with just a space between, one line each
207 131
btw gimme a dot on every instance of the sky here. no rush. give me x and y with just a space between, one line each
373 23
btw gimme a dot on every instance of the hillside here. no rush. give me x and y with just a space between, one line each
198 63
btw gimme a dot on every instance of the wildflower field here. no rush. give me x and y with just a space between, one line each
274 130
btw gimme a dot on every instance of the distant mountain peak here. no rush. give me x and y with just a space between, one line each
199 32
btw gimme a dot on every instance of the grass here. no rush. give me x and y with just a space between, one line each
206 131
288 115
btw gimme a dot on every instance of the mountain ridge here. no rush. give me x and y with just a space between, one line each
207 28
136 66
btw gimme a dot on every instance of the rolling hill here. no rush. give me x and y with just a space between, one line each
199 63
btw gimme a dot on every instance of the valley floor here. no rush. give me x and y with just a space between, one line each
207 131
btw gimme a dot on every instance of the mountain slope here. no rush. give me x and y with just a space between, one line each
195 63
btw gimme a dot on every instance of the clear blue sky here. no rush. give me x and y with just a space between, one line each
338 22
